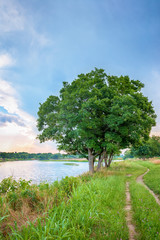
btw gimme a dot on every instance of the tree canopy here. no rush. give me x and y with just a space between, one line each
150 148
97 115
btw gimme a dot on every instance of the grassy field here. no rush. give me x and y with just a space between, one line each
85 207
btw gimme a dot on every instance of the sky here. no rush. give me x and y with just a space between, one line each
43 43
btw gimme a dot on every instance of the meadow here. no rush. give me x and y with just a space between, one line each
84 207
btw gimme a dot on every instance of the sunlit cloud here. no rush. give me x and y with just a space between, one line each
18 128
6 118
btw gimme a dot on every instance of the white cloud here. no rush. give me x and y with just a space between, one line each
39 38
18 131
151 90
14 18
11 16
6 60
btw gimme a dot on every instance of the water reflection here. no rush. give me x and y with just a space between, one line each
39 171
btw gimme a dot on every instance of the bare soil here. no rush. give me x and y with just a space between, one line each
131 227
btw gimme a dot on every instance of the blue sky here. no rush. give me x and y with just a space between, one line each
43 43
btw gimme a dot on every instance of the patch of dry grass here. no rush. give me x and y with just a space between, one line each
155 161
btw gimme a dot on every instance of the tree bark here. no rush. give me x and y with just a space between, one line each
110 159
105 160
101 157
91 159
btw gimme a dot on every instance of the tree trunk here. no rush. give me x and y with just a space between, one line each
105 160
110 159
91 159
101 157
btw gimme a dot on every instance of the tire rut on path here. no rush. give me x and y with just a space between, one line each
140 180
131 227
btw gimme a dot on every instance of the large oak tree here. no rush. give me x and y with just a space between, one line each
97 115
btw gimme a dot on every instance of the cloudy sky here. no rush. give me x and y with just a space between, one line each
43 43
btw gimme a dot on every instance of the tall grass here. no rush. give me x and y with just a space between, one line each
22 203
152 179
95 211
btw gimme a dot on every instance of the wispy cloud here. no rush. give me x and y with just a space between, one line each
13 18
17 128
39 38
6 60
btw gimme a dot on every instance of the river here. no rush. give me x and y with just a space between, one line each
39 171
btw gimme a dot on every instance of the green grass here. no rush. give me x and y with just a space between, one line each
126 168
95 211
86 207
146 212
152 179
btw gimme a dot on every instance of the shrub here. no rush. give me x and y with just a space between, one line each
8 184
68 183
14 201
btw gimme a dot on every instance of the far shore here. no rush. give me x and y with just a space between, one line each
48 160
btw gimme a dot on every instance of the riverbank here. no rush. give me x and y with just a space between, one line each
85 207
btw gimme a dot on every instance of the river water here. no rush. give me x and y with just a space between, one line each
39 171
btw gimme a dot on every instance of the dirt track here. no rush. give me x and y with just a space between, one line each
140 180
131 227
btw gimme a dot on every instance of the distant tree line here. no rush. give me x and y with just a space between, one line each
32 156
147 150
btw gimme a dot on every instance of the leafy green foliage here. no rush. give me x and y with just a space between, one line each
128 154
149 149
8 184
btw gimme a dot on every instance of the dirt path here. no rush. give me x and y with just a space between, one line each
140 180
131 227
